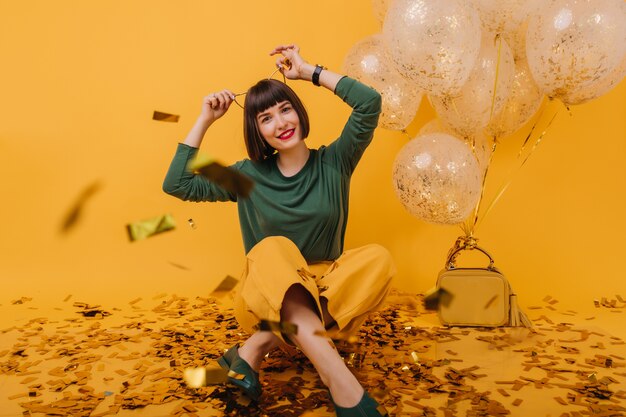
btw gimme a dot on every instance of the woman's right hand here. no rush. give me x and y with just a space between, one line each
215 105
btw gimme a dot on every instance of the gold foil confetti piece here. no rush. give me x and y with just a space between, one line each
306 274
192 224
278 327
415 358
229 179
179 266
159 296
436 297
560 400
67 298
150 227
382 410
202 377
165 117
195 377
335 334
596 303
517 402
73 215
135 301
235 375
503 392
226 286
28 380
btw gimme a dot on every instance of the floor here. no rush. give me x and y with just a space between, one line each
78 359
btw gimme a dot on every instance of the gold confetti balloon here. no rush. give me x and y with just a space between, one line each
602 86
472 107
523 102
437 179
480 144
573 45
504 15
433 43
369 63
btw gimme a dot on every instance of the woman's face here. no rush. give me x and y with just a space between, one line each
280 126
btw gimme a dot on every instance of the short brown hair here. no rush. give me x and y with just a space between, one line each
260 97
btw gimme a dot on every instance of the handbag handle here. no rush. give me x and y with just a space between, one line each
455 253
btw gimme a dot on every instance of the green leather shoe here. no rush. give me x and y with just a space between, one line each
243 376
367 407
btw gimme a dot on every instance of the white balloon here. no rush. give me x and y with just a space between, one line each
433 43
480 144
501 16
523 102
574 45
368 62
437 179
601 87
471 109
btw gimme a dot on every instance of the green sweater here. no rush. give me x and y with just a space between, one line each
311 207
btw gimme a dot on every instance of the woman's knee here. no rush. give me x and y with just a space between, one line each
380 256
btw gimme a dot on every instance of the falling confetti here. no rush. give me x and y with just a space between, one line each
165 117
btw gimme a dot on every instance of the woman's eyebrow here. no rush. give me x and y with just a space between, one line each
280 106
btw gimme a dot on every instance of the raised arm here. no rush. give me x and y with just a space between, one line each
214 106
184 184
296 68
365 102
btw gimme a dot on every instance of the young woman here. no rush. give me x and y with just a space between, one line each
293 225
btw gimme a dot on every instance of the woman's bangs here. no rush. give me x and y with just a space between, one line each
266 96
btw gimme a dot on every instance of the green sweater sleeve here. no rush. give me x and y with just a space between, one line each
358 132
184 184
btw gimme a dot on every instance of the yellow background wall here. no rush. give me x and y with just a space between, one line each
79 81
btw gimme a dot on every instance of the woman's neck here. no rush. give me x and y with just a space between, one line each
291 161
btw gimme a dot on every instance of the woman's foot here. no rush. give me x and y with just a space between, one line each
366 407
240 373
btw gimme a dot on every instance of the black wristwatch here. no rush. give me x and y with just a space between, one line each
315 79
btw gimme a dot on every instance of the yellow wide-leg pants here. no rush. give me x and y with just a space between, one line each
354 285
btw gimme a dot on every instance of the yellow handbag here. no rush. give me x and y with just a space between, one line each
477 296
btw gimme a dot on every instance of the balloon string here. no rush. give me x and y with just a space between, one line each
495 81
472 227
507 183
471 224
531 132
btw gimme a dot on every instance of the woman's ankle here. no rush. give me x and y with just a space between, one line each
254 353
250 355
345 390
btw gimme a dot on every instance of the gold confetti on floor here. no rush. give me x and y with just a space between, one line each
85 359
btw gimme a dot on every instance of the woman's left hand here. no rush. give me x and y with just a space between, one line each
290 62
